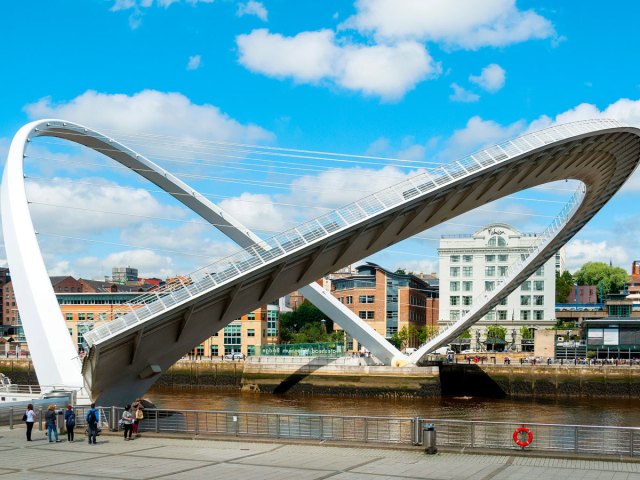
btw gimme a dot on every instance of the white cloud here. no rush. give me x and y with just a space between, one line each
194 62
455 23
138 4
85 218
387 71
150 111
256 211
490 79
462 95
578 252
476 134
253 8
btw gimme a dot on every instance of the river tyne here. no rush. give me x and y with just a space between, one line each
580 411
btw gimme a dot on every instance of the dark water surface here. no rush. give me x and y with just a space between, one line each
580 411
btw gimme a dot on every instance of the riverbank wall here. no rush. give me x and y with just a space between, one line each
323 376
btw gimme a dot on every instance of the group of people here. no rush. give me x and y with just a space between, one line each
130 421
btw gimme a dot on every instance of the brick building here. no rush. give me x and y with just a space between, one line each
387 301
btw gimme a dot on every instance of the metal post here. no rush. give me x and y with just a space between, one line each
366 430
321 426
40 419
197 426
575 439
277 425
156 423
11 418
417 431
114 424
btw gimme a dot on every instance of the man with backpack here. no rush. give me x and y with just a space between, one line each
92 418
70 421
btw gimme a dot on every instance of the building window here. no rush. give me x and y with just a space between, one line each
489 258
454 258
538 285
467 301
540 271
454 286
490 316
454 314
366 314
90 316
467 258
391 331
454 271
502 314
454 300
251 350
251 316
538 314
490 271
272 323
366 298
526 286
497 241
525 315
467 271
251 332
502 271
232 338
489 285
103 316
391 314
68 317
503 302
214 350
538 300
392 298
81 317
525 300
467 286
349 300
503 258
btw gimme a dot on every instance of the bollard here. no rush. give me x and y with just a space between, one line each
11 418
40 419
417 431
114 423
429 438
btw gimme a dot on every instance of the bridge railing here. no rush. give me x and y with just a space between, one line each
223 270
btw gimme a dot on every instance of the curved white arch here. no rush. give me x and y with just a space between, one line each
602 154
47 337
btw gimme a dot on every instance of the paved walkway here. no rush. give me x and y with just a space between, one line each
155 457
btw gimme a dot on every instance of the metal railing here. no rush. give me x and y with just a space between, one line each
574 439
283 244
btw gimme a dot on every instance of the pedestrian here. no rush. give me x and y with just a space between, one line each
92 418
137 415
50 417
29 418
70 422
127 422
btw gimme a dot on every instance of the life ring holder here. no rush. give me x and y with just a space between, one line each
516 437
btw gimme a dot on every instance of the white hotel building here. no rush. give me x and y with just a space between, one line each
472 263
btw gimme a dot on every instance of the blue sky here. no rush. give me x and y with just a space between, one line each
420 80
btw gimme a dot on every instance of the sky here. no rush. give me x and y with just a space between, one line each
400 84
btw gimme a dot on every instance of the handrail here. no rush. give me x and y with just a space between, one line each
233 266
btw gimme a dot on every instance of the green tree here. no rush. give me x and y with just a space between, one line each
496 332
526 333
564 286
401 271
611 279
427 333
304 325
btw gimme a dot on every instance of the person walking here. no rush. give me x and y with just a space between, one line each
50 417
138 415
93 419
29 419
127 422
70 422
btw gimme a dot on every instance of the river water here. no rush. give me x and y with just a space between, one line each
581 411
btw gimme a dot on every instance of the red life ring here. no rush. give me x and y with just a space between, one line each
522 443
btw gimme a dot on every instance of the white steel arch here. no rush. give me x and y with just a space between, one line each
129 353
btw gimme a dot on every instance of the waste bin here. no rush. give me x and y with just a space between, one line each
429 438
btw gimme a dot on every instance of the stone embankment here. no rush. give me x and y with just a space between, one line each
347 377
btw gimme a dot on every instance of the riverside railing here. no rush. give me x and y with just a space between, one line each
283 244
574 439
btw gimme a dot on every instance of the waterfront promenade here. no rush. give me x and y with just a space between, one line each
185 458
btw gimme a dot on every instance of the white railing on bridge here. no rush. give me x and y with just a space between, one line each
236 265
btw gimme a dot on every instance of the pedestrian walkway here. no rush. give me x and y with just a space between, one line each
170 458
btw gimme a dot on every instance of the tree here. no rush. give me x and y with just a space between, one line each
496 332
304 325
400 271
526 333
564 286
427 333
609 279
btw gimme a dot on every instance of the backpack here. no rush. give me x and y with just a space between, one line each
71 421
91 417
